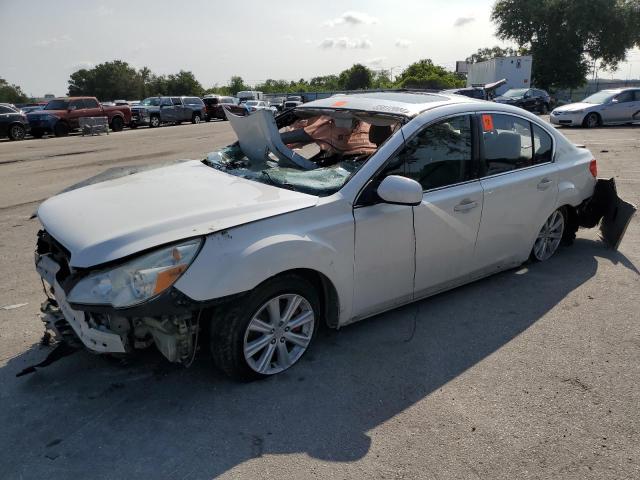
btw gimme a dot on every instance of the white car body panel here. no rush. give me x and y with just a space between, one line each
110 220
610 113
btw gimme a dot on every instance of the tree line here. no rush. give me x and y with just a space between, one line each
119 80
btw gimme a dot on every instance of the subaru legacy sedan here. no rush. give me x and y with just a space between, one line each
332 212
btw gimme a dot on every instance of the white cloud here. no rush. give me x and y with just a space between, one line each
49 42
461 21
403 43
345 42
375 62
104 11
352 18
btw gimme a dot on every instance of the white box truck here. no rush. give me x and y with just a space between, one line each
515 70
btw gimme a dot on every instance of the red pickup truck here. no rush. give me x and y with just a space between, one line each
62 115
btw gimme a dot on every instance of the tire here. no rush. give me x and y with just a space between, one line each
154 121
61 129
232 340
117 124
544 108
592 120
207 118
37 133
196 118
550 236
17 132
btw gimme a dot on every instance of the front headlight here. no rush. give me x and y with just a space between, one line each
137 280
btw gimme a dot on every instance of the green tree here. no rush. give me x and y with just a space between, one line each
381 79
484 54
236 84
107 81
183 83
425 74
565 37
358 77
11 93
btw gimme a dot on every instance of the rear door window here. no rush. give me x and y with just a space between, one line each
542 146
176 101
507 143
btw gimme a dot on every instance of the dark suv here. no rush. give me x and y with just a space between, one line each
13 123
216 103
532 99
154 111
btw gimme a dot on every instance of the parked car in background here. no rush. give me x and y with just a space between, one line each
257 245
246 95
154 111
606 107
291 104
13 123
532 99
253 105
62 115
215 103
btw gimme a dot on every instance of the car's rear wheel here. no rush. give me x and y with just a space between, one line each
549 237
154 121
195 118
17 132
592 120
61 129
117 124
544 108
269 331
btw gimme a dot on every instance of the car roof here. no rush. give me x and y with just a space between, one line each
407 104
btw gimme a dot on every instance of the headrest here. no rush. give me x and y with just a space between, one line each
379 133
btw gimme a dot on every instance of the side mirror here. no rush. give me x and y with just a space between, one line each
614 100
399 190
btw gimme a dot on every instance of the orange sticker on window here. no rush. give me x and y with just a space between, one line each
487 123
340 103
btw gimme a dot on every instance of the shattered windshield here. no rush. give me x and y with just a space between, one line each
313 153
151 102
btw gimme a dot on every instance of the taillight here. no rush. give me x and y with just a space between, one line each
593 168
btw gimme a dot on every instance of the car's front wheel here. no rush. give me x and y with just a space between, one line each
592 120
17 132
269 331
549 237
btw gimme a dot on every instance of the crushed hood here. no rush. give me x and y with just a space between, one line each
105 221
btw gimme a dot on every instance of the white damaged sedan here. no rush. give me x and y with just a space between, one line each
332 212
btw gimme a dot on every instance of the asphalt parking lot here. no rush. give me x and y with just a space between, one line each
532 373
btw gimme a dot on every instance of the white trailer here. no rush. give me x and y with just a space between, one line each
515 70
245 95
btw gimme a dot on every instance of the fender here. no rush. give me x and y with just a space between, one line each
239 259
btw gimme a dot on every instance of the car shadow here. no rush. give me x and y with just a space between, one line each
150 419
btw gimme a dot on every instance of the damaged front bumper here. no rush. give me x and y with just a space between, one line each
169 321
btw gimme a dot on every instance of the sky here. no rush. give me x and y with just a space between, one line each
44 42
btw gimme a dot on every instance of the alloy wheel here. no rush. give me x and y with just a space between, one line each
549 237
278 334
17 132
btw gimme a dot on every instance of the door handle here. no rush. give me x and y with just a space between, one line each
465 206
544 184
